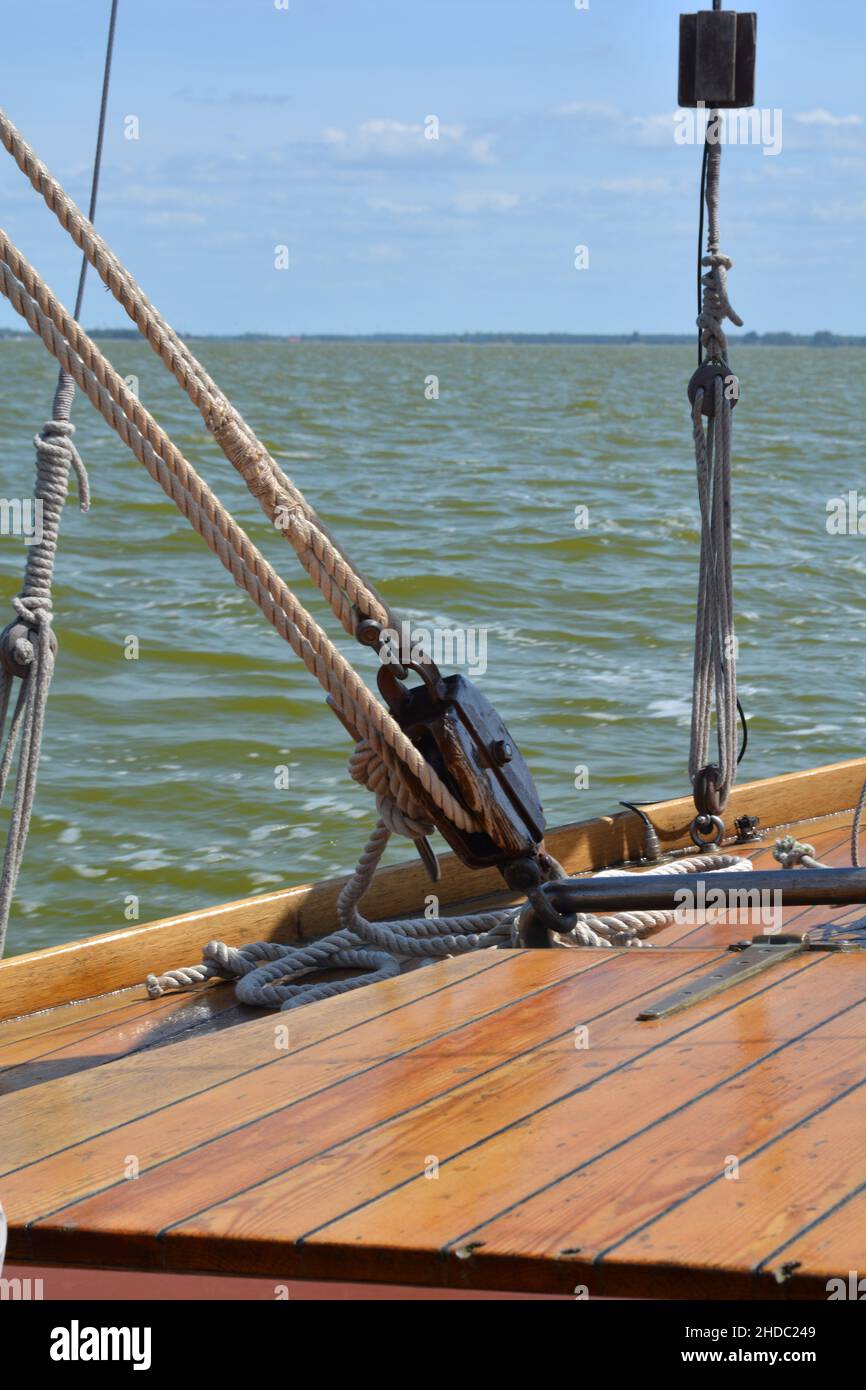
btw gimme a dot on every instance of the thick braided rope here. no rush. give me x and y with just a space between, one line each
339 580
34 653
715 669
194 499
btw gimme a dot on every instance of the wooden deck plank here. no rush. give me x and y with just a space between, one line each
799 1175
599 1206
32 1025
295 1108
64 1112
402 1212
643 1090
82 1043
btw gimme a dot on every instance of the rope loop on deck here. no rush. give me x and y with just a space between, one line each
271 976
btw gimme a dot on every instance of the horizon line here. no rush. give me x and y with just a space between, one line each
772 338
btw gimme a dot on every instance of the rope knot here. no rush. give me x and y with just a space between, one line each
789 852
397 806
55 455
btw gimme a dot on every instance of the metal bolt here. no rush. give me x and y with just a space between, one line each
502 751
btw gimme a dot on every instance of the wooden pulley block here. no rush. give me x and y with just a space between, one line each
704 380
717 59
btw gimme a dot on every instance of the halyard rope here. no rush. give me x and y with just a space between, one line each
81 358
340 581
30 645
715 649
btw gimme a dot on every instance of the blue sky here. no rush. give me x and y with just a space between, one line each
305 127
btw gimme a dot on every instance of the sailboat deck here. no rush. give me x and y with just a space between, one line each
499 1121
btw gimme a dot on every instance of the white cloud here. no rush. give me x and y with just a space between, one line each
173 219
395 208
589 108
821 117
387 141
839 211
635 186
383 251
471 203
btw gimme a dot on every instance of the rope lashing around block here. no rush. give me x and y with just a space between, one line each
715 671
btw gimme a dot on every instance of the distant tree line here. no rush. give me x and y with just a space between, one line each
822 339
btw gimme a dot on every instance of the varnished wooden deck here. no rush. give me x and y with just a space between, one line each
450 1128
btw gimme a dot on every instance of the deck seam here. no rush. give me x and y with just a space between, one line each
810 1225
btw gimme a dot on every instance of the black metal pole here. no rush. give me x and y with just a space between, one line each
796 887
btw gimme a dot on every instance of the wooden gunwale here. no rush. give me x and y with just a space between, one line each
120 960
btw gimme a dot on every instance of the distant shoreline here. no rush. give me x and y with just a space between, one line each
822 339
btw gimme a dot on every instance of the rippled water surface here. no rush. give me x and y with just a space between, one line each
158 773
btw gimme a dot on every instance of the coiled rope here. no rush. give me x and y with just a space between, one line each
272 976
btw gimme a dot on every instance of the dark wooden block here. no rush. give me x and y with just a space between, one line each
717 59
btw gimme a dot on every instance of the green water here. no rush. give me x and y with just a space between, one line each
158 773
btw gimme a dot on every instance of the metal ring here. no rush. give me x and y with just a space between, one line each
702 823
